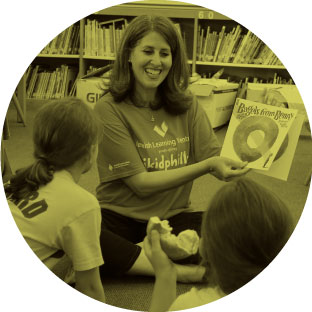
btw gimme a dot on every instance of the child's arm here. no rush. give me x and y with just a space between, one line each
89 283
164 292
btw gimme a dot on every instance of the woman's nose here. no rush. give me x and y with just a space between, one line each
156 60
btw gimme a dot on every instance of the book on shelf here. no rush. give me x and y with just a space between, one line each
219 43
233 47
65 43
102 39
50 84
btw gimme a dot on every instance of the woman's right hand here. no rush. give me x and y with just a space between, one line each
226 169
161 263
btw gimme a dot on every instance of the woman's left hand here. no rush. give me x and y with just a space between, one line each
226 169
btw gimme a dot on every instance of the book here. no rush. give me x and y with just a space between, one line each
243 43
102 38
107 41
219 42
256 133
206 44
32 82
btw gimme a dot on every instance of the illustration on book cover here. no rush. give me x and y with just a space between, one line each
258 133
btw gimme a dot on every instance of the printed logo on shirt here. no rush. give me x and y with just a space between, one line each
162 130
119 165
161 163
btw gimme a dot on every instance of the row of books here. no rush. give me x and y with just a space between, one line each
276 79
233 47
43 83
102 39
65 43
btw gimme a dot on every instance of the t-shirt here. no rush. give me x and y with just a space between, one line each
61 222
195 298
138 139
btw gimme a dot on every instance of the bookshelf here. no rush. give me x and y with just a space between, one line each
237 50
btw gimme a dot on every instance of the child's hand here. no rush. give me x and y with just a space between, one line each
226 169
159 260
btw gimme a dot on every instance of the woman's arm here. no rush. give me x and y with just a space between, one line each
147 183
89 283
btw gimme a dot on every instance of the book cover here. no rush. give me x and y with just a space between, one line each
256 132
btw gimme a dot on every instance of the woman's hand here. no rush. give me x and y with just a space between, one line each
162 265
226 169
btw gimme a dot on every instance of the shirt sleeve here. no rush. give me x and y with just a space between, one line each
81 241
118 156
205 142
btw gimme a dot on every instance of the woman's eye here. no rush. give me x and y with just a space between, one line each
148 52
164 54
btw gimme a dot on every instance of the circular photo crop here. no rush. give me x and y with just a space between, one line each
155 156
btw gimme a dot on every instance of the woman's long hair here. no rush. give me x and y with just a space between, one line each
243 230
63 132
173 90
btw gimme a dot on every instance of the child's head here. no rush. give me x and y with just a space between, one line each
243 230
64 131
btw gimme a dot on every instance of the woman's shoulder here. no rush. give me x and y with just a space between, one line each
105 100
108 103
194 108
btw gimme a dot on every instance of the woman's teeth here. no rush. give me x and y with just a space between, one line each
153 72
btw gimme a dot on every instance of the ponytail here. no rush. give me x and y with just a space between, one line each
28 180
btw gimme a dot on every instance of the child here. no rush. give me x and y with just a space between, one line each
59 220
243 230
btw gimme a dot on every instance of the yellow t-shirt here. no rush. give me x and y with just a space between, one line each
138 139
61 220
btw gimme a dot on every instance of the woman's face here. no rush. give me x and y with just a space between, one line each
151 61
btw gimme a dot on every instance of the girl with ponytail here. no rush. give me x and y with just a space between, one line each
59 220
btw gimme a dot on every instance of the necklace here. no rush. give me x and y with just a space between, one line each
148 105
152 118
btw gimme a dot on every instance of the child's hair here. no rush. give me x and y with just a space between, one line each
63 132
173 90
243 230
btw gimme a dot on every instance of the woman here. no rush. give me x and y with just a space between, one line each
156 141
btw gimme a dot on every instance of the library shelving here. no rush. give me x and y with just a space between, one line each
212 40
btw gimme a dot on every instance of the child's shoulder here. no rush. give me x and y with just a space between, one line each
196 297
64 185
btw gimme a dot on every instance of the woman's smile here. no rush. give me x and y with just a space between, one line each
153 73
151 61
